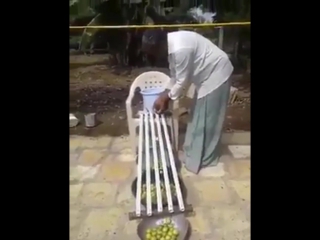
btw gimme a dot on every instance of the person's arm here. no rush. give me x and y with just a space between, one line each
181 66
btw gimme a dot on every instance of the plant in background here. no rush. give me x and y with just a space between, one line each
72 2
79 9
80 14
202 15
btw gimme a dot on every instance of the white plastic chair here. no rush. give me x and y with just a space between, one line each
152 79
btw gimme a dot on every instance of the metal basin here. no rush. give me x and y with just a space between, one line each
153 180
180 222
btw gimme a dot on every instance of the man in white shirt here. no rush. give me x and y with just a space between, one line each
195 59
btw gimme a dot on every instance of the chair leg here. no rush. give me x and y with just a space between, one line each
171 125
173 130
132 134
175 123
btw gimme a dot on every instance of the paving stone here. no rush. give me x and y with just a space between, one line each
127 151
120 157
217 171
74 191
82 173
225 234
242 188
89 142
193 196
229 217
104 142
239 169
73 234
73 159
124 195
130 227
200 222
128 157
126 236
90 157
223 222
200 236
99 194
236 138
248 212
74 143
212 190
102 224
119 144
75 217
115 171
125 199
240 151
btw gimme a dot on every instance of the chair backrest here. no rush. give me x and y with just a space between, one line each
152 79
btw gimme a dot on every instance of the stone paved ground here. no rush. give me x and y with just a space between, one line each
101 173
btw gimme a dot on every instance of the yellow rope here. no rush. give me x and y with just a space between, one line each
165 26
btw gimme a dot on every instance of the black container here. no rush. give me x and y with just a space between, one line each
153 180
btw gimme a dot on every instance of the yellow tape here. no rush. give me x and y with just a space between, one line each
165 26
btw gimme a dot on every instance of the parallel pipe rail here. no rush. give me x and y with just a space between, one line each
153 129
164 165
155 163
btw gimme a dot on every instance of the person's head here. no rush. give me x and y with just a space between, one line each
154 42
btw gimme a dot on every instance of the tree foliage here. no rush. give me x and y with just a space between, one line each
233 10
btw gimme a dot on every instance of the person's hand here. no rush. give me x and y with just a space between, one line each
162 103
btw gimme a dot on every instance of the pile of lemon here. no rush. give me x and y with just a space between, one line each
165 231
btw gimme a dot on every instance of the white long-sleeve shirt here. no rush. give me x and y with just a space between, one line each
195 59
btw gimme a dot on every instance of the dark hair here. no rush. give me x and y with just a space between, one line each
154 36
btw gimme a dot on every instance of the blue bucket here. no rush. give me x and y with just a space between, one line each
150 96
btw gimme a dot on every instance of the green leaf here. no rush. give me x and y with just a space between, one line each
88 34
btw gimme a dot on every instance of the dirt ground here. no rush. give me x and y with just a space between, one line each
97 87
